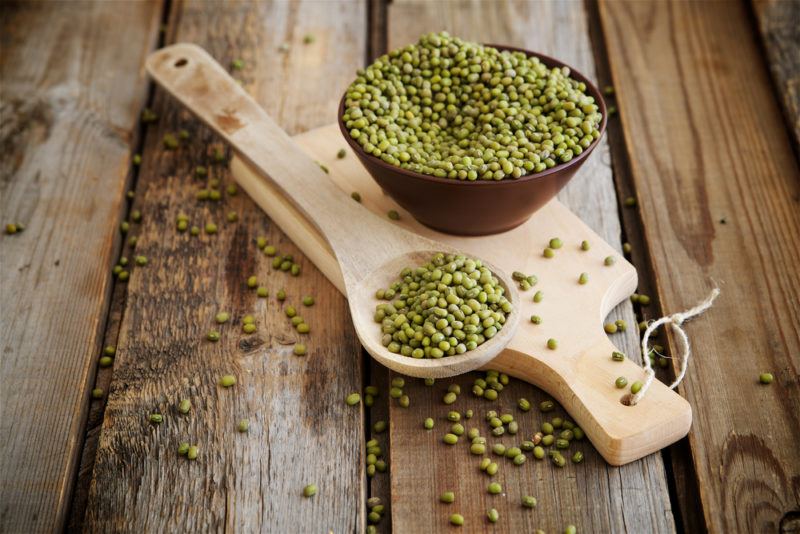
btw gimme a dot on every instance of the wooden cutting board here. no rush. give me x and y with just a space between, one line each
580 373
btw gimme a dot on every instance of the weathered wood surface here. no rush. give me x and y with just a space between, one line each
593 495
70 101
779 24
300 429
722 209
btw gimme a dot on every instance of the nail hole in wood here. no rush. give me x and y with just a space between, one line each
626 399
181 62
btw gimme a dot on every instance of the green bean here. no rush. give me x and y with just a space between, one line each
393 215
212 335
494 488
535 319
552 344
493 515
227 381
243 426
524 404
492 468
546 406
585 245
299 349
192 452
621 382
529 502
556 243
583 278
185 406
577 457
170 141
353 399
105 361
766 378
477 448
617 356
433 135
457 520
310 490
355 195
448 497
548 253
97 393
538 296
379 426
636 387
558 459
183 448
156 418
428 423
308 301
610 328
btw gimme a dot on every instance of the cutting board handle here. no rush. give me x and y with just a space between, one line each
584 385
361 240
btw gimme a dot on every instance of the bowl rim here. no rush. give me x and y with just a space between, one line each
575 161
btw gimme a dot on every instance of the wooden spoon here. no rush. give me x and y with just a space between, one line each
370 250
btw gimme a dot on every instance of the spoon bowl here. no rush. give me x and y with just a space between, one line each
370 250
362 305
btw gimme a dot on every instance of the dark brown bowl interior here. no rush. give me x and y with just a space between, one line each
480 207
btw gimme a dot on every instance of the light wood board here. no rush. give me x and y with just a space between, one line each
580 373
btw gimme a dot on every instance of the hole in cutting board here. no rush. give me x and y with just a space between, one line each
181 62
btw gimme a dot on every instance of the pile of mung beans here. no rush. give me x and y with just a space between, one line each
456 109
447 306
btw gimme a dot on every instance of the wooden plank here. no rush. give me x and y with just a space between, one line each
300 429
593 496
71 95
719 208
683 488
779 24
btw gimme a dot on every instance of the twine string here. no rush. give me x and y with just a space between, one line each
675 320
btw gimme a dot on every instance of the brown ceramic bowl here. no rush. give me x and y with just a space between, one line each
480 207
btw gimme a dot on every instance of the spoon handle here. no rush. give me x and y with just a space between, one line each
361 240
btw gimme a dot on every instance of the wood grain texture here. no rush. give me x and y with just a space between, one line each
719 209
779 24
593 496
682 482
300 429
71 95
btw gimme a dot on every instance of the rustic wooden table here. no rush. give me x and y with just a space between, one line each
706 141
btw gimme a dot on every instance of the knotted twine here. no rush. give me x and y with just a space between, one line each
675 321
